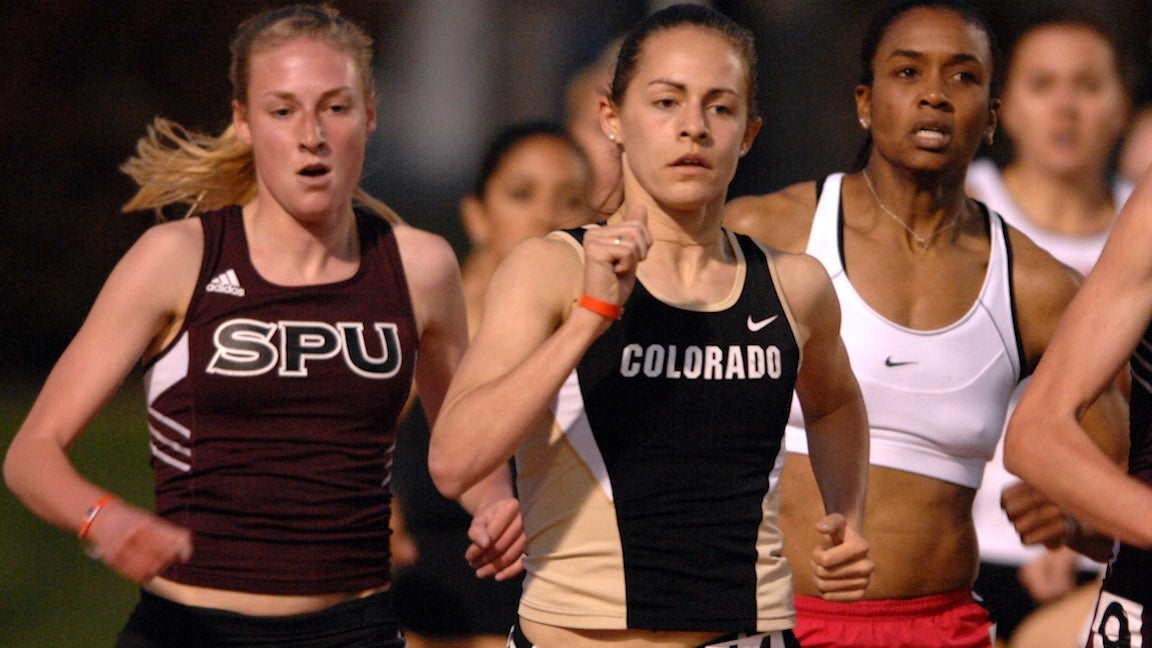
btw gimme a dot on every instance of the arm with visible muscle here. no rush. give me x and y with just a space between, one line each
837 429
438 303
1046 443
136 313
530 339
1044 290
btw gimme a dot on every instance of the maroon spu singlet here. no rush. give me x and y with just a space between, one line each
272 419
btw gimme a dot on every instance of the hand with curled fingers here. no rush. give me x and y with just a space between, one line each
611 255
1036 518
497 535
135 543
840 562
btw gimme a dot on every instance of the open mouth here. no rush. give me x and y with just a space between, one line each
314 170
932 136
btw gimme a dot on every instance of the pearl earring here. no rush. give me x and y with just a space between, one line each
863 123
612 137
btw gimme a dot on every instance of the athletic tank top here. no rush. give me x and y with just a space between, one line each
936 399
651 501
1080 252
1128 583
272 418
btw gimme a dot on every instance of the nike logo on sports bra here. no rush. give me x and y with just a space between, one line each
889 362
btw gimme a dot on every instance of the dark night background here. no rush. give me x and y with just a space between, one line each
81 79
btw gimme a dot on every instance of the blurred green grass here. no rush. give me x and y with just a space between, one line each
51 594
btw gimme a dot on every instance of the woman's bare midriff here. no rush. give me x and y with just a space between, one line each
251 604
920 531
548 636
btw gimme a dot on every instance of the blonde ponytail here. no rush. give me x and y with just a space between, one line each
173 165
377 206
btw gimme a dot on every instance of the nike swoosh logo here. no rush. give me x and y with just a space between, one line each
756 326
889 362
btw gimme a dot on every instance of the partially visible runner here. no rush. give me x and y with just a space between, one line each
582 97
1108 324
1136 150
532 180
1064 108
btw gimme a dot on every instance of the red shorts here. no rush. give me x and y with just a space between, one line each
951 620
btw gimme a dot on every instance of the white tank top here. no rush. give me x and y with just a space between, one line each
937 399
986 184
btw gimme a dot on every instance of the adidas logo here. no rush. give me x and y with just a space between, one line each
226 283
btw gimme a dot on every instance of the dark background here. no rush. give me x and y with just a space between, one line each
81 79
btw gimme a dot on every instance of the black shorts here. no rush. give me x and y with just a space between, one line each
156 622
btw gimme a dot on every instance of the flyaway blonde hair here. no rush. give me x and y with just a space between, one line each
175 166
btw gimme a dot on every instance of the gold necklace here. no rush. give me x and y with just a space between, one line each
922 240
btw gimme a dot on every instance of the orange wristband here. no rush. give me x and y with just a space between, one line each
600 307
91 514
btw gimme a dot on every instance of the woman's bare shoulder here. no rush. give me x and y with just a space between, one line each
782 219
174 246
425 254
1042 287
1038 275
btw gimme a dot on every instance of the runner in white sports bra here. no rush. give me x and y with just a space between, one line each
928 391
944 309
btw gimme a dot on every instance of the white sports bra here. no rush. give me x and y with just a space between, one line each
937 399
